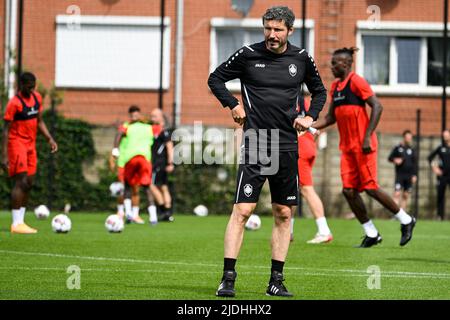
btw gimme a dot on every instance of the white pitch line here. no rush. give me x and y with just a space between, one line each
197 272
312 271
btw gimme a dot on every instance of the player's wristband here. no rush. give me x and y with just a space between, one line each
115 152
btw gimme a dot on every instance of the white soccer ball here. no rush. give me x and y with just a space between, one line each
117 189
61 223
114 224
253 223
201 210
41 212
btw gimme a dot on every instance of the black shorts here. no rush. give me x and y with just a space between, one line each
403 182
283 182
159 176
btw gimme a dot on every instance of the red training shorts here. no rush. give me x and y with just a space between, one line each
121 174
359 170
138 172
22 158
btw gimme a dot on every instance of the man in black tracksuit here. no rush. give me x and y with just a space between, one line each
271 74
441 170
404 158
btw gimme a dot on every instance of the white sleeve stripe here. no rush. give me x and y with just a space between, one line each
249 48
302 50
248 98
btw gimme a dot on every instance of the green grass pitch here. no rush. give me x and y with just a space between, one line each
183 260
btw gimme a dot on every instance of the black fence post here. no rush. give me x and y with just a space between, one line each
418 138
51 159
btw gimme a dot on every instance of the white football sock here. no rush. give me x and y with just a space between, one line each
153 217
322 226
121 209
403 217
135 212
17 217
128 209
370 229
292 225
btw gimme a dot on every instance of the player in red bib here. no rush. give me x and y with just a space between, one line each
358 144
22 119
307 157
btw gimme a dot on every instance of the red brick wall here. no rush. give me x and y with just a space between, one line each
100 106
106 107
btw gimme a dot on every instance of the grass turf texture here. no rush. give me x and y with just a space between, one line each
183 260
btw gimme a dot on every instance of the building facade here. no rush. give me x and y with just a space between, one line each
104 54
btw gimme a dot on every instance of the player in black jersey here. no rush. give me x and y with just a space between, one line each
404 158
442 170
271 74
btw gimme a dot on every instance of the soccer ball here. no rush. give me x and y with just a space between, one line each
116 189
253 223
114 224
201 210
61 223
42 212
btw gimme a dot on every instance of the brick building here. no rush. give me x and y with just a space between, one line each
104 54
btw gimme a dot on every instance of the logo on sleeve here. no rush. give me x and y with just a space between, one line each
293 70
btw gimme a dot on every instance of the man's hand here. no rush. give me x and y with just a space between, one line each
115 152
413 179
437 171
398 161
366 148
302 124
5 163
53 145
170 167
238 114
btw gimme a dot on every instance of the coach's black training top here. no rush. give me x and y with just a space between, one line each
443 152
270 86
409 164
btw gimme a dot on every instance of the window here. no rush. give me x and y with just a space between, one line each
402 57
111 52
435 66
228 35
376 58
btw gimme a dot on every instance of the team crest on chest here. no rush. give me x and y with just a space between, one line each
293 70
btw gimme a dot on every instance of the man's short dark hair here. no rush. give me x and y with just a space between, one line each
27 77
134 108
406 132
280 13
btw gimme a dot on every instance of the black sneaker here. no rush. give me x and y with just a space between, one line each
407 231
276 286
167 217
368 241
226 287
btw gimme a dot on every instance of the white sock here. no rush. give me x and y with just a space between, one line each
292 225
128 209
17 217
370 229
121 209
153 217
322 226
403 217
135 212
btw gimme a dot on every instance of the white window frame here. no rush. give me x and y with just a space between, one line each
250 23
394 29
119 21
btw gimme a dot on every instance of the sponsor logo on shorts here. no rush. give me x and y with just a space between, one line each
248 190
291 198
